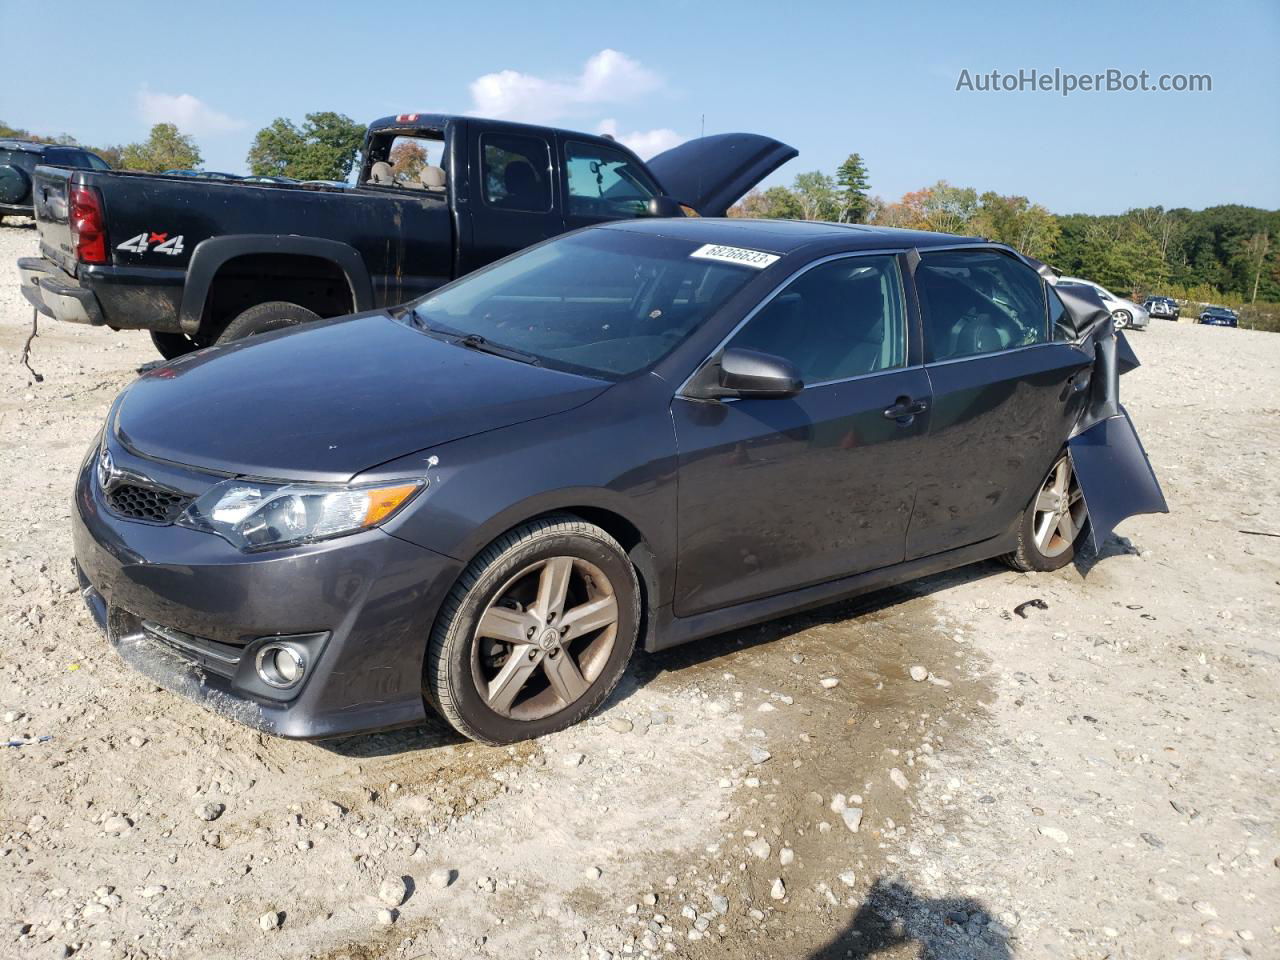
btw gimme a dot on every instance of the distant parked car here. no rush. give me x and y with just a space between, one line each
266 179
1219 317
1126 313
18 158
1164 307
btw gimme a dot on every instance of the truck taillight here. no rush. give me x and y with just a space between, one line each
88 225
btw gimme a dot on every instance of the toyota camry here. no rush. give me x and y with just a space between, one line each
636 435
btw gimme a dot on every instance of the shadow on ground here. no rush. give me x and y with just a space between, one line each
895 922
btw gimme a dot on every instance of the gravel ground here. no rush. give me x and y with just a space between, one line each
1097 779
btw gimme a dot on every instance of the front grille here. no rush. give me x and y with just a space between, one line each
146 503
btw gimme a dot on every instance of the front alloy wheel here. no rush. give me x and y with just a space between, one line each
1053 522
536 632
545 638
1122 319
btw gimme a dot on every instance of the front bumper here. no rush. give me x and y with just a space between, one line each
1217 322
189 611
56 294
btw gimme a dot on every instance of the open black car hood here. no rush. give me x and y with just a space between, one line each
333 399
712 173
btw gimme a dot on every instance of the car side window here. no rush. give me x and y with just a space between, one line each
979 301
1058 327
840 319
604 182
517 172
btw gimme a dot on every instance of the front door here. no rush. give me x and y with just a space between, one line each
780 493
1005 395
602 183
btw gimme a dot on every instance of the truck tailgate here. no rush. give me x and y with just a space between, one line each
49 195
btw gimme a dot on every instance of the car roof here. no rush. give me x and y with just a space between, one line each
785 236
31 146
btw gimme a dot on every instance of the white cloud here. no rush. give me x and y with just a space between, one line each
607 77
190 114
646 143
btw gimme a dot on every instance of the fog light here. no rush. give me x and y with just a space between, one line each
280 665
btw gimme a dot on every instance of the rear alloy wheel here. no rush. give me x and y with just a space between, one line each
536 633
1053 522
1122 319
266 317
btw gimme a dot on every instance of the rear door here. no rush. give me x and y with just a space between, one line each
1006 392
780 493
513 203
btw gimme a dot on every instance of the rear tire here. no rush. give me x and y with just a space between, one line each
173 345
1052 523
266 317
535 634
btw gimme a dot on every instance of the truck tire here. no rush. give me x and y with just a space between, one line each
265 317
15 185
173 345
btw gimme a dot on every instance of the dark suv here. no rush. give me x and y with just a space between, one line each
19 158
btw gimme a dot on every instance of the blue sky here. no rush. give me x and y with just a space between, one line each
829 78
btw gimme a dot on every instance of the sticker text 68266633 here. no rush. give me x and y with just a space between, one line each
739 255
152 242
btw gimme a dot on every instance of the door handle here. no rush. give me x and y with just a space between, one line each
905 409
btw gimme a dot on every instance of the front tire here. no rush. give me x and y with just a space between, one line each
535 634
1122 319
266 317
1052 523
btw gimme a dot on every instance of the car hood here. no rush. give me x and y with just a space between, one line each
712 173
333 399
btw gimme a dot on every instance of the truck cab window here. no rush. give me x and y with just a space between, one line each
517 172
604 182
413 163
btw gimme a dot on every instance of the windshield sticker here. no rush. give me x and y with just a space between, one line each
739 255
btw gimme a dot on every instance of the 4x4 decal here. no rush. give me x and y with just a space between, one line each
143 242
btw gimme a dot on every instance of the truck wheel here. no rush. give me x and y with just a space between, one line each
14 184
265 317
173 345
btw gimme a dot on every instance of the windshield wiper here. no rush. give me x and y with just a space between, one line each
477 342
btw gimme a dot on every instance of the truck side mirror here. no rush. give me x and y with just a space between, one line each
663 206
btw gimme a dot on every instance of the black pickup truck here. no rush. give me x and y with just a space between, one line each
200 261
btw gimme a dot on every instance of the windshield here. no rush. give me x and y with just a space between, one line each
604 302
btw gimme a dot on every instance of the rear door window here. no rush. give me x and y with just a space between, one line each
516 172
979 301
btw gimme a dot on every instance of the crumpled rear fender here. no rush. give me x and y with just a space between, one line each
1115 474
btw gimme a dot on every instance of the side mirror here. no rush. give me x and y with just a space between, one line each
745 373
663 206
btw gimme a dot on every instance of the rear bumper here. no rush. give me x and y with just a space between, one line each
190 612
16 210
56 294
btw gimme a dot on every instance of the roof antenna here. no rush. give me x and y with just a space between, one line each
704 126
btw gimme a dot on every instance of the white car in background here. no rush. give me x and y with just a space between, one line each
1126 313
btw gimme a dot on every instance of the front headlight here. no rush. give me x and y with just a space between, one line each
254 515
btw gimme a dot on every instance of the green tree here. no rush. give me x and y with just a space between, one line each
949 209
776 203
815 192
851 176
167 148
1023 225
323 148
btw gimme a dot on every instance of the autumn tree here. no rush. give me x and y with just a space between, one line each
166 148
1023 225
407 158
